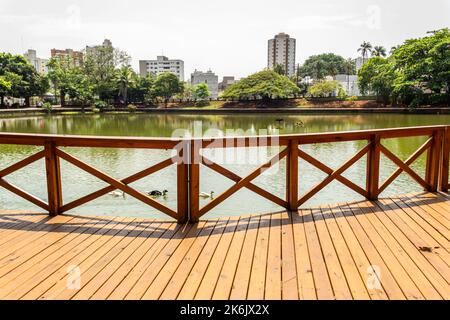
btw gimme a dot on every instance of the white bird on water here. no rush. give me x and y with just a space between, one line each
117 194
206 195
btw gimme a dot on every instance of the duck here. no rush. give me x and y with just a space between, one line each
157 193
206 195
299 124
117 194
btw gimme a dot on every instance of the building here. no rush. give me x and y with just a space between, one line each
75 56
160 65
38 63
226 82
349 83
359 62
209 78
281 50
93 49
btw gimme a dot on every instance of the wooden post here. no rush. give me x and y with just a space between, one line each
183 183
194 180
445 160
53 172
433 161
373 168
292 175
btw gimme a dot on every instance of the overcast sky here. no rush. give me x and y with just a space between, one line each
228 36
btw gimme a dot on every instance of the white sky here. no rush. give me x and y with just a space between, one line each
228 36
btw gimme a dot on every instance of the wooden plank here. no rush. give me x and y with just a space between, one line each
208 283
105 245
305 280
180 264
257 283
324 289
28 272
171 232
241 280
154 267
409 242
288 263
385 280
189 289
273 290
194 182
22 193
225 281
404 280
357 252
445 161
22 163
355 278
333 265
434 161
408 264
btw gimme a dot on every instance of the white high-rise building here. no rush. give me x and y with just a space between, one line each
281 50
160 65
209 78
39 64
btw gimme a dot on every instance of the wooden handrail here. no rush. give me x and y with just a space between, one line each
189 158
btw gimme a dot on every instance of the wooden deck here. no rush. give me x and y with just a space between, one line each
396 248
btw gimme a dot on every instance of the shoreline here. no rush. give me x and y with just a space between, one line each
218 111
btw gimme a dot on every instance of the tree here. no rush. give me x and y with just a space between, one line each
266 84
378 75
425 63
201 91
166 86
365 49
379 51
25 81
100 66
5 89
140 90
322 65
324 88
125 78
279 68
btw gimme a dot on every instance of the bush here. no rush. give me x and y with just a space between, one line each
352 99
47 106
99 104
131 107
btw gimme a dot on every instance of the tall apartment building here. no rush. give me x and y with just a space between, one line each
209 78
281 50
38 63
75 56
160 65
93 49
226 82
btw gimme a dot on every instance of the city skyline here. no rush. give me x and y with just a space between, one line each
223 39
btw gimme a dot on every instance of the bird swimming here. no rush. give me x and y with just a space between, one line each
157 193
117 194
206 195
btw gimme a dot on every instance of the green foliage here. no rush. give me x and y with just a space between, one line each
131 107
365 48
166 86
325 88
20 79
201 91
100 105
125 78
327 64
379 51
352 98
418 71
47 106
266 84
140 90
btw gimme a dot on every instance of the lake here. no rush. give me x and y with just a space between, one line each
121 163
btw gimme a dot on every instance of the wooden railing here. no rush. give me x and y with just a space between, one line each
189 157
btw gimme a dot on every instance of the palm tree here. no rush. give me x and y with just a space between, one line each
379 51
365 49
391 52
125 78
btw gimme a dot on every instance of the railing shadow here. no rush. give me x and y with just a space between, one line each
167 229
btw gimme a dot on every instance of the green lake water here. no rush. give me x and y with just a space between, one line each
121 163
